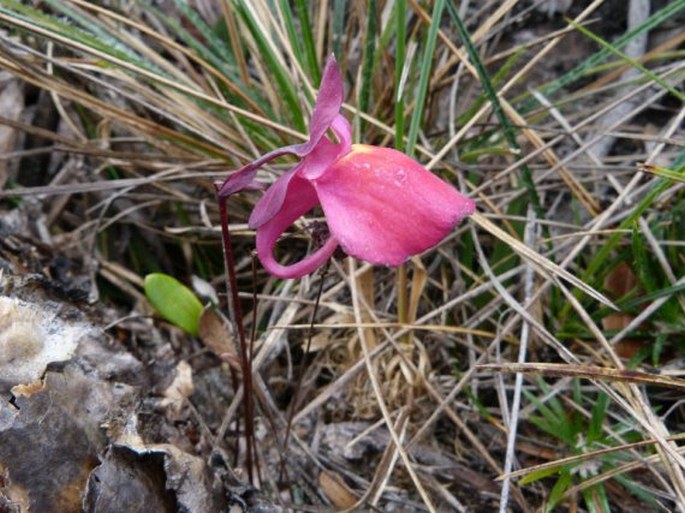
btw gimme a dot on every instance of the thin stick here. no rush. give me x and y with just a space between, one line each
518 386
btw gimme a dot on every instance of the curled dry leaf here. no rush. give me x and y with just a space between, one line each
51 433
180 389
619 282
216 332
335 489
135 477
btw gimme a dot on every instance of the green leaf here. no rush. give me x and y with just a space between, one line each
174 301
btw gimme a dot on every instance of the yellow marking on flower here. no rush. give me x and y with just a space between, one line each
362 148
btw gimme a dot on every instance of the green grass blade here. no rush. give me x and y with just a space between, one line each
38 21
596 499
599 412
603 254
338 26
670 174
508 129
285 85
499 76
540 474
424 77
655 78
642 264
216 46
562 484
670 10
218 55
367 65
311 63
99 33
400 51
289 21
591 274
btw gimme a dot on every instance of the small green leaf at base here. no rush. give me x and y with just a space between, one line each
174 301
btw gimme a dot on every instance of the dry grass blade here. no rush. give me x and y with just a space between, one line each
620 470
153 101
49 82
579 458
541 263
379 395
588 372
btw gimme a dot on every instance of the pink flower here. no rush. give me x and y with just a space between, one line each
381 206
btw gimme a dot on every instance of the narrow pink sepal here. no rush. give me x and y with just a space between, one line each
244 178
237 181
326 115
384 207
300 197
343 131
327 107
327 152
320 159
272 201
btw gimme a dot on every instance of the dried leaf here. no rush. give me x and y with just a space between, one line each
180 389
335 489
620 281
419 278
216 332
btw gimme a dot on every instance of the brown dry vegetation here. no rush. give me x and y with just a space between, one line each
530 362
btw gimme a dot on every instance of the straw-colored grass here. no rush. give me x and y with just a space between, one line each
531 362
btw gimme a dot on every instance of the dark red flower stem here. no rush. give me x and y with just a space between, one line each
245 360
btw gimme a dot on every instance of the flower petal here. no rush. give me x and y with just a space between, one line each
326 110
244 178
327 152
272 201
320 159
299 198
343 131
384 207
327 107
